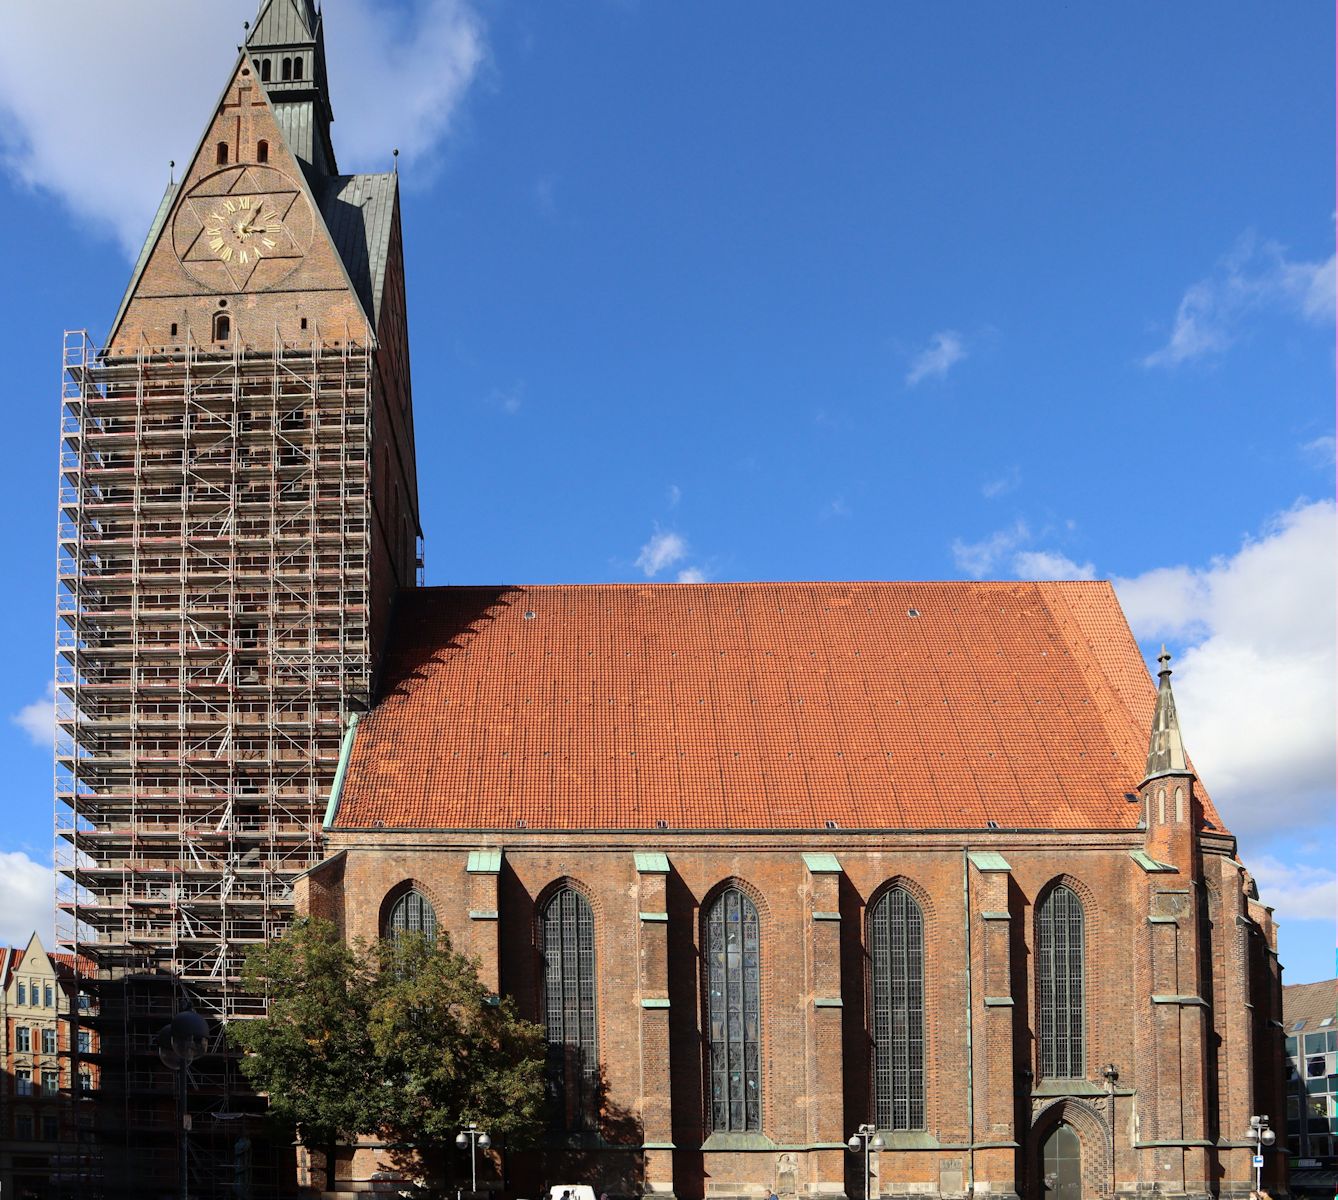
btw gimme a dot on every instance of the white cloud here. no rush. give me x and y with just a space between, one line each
692 575
992 489
1254 276
1254 677
508 400
1049 564
27 900
663 550
38 719
1296 891
979 559
398 76
1319 452
673 495
945 350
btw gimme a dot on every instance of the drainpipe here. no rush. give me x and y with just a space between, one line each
970 1052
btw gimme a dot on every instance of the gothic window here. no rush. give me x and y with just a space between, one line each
567 933
262 152
1059 967
265 70
287 68
221 153
222 327
733 1013
297 68
412 913
896 948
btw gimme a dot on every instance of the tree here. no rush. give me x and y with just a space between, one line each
398 1038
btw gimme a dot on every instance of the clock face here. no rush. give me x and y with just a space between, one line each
242 227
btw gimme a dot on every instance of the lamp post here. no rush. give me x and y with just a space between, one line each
866 1138
1262 1136
180 1043
473 1139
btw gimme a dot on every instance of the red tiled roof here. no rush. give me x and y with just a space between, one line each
757 706
74 964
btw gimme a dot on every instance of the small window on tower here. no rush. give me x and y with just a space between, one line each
265 70
221 153
297 68
174 329
222 327
287 68
262 152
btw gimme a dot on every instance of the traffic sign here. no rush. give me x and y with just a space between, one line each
1258 1160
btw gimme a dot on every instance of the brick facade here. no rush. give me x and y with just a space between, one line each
1144 1011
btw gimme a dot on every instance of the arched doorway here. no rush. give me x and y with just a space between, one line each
1061 1159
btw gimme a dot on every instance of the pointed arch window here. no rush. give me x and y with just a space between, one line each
262 151
567 934
734 1013
896 951
412 913
1059 966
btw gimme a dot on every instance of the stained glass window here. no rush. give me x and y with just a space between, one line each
568 932
413 913
896 948
1059 965
733 1013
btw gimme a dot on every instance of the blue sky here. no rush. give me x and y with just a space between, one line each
782 291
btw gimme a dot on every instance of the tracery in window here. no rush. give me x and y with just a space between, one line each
734 1013
412 913
1059 972
567 934
897 969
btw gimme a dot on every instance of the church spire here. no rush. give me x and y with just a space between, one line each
1166 749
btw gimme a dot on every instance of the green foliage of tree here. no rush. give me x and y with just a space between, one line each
397 1038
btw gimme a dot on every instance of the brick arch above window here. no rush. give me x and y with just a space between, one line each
393 896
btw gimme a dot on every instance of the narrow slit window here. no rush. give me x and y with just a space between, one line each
265 70
287 68
222 327
262 151
297 68
221 154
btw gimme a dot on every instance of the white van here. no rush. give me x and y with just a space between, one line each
571 1191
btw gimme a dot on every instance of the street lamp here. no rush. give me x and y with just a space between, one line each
1262 1136
866 1138
180 1043
472 1139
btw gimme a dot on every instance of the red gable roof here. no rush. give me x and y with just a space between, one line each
755 706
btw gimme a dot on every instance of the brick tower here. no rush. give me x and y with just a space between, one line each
238 506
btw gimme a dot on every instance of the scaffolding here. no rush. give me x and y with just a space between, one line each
212 632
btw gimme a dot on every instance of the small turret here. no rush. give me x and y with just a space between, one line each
287 49
1169 806
1166 748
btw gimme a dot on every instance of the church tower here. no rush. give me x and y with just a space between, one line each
238 507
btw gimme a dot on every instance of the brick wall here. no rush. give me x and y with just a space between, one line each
815 1071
